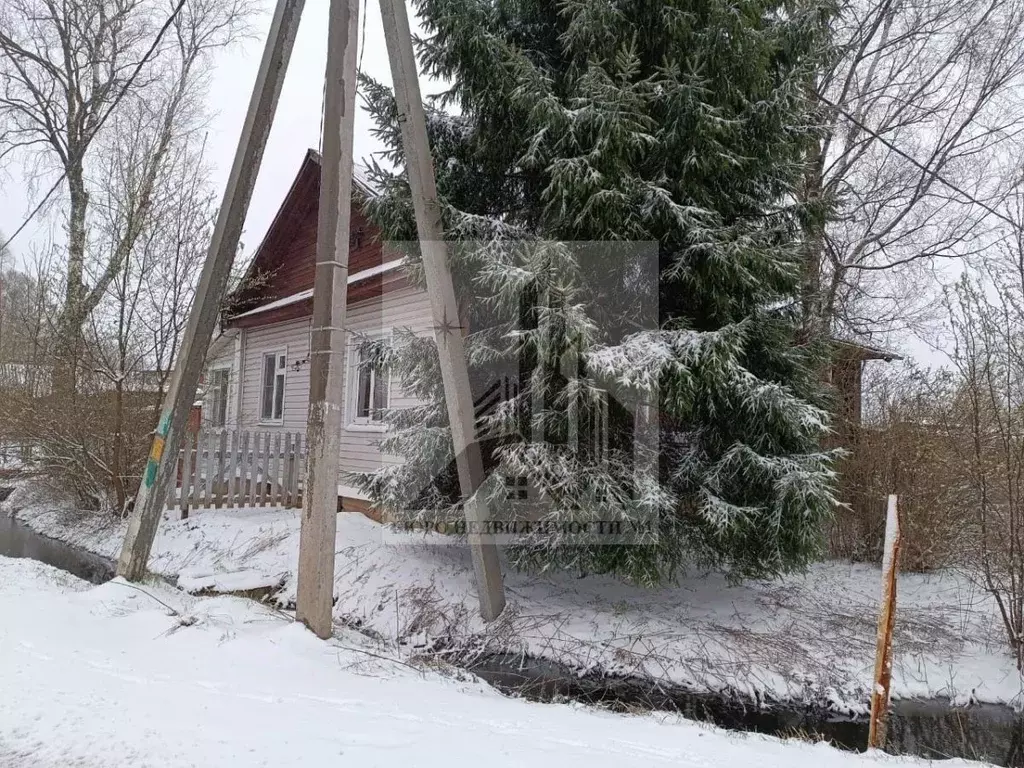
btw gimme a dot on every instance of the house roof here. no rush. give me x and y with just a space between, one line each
221 343
358 277
302 192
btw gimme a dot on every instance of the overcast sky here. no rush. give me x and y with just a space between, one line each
296 126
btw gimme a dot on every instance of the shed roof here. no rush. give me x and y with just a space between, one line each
866 351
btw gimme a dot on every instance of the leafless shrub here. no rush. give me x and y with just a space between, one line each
951 444
902 448
986 427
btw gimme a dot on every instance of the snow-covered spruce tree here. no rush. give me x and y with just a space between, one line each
679 123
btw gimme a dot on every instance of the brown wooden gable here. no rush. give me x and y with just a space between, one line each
285 262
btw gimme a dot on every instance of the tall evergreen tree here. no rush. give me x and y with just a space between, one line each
678 123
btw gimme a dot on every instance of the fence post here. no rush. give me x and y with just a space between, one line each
186 475
221 486
289 466
231 481
209 443
300 469
245 492
265 466
193 480
275 463
886 621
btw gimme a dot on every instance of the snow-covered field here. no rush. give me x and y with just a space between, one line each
119 676
806 638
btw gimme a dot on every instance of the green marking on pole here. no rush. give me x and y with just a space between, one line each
150 473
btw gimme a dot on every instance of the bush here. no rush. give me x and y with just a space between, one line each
904 448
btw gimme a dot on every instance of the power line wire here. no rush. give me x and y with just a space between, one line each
28 219
362 46
921 166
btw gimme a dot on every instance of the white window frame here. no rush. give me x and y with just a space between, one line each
354 423
280 372
226 370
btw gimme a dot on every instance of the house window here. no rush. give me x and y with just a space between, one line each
371 389
272 392
217 397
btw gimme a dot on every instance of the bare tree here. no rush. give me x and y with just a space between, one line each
134 331
986 422
922 90
25 312
184 224
68 71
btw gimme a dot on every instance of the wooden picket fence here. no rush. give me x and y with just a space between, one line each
239 468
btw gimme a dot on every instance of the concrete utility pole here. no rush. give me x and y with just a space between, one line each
454 372
327 346
160 470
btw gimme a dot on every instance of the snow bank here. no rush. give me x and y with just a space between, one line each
807 639
122 676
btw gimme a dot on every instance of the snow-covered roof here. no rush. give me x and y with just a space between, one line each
866 351
360 175
221 343
388 266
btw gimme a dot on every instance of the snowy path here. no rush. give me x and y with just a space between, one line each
107 676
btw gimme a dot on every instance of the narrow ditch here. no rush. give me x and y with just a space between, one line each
926 728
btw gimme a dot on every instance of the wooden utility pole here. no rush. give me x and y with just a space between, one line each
450 347
327 346
886 621
160 470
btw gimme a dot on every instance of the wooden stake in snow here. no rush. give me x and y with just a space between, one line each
163 456
454 373
315 597
886 620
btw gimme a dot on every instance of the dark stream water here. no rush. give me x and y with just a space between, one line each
933 729
18 540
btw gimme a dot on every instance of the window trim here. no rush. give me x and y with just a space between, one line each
279 370
226 369
354 423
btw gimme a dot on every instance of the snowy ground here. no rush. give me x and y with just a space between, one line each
118 675
807 639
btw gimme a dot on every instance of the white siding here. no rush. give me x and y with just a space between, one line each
405 308
292 339
359 452
225 360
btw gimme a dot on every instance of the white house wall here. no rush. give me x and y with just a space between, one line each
405 308
225 360
292 339
359 452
